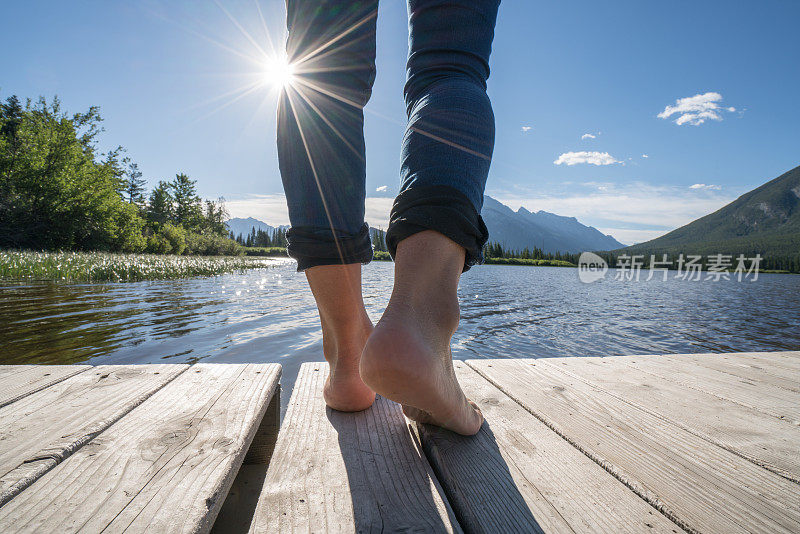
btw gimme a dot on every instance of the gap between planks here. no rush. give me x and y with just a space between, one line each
517 475
348 472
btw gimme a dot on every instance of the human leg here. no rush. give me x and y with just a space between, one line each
435 230
331 47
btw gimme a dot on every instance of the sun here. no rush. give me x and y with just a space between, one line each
278 72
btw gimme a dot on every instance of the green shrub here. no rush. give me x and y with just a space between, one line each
158 244
209 244
381 255
129 237
176 236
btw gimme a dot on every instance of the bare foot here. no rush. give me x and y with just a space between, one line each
345 329
407 359
344 390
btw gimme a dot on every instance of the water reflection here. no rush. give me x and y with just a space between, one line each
268 315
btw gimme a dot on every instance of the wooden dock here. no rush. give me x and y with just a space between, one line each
658 443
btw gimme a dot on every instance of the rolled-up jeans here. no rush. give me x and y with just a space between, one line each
447 147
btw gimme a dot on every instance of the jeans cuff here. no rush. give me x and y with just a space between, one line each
312 246
443 209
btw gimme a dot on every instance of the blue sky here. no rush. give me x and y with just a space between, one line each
166 76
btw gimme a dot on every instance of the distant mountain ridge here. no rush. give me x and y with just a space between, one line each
765 220
239 226
547 231
514 230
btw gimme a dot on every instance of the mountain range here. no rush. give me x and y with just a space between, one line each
514 230
765 220
519 229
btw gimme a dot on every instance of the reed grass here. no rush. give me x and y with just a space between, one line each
110 267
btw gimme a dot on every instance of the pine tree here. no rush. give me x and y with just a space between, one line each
187 204
133 184
160 208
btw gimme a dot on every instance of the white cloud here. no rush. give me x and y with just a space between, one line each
695 110
272 209
382 188
588 136
707 187
526 129
645 156
377 211
592 158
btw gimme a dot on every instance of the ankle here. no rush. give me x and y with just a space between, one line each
344 345
433 311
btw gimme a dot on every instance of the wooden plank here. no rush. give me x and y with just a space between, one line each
766 441
41 430
164 467
742 366
347 472
768 399
775 362
517 475
18 381
700 486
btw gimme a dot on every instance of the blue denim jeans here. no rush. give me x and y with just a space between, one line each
448 143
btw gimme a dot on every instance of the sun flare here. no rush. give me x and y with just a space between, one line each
278 72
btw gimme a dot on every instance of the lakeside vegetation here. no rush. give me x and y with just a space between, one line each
117 267
529 262
58 192
266 251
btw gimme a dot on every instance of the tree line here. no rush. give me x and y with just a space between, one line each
277 238
59 192
494 249
262 238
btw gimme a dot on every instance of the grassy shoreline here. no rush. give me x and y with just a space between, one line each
23 266
28 266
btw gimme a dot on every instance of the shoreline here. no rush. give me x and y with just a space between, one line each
72 267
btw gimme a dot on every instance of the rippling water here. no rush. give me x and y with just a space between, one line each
268 315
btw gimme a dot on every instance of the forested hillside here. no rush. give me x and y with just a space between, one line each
763 221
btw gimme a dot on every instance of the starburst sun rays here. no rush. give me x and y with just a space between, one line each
309 100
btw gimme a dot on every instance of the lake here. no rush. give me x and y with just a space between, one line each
269 315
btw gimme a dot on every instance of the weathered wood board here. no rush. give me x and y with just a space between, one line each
778 363
769 399
766 441
347 472
743 367
517 475
697 484
44 428
18 381
164 467
702 442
